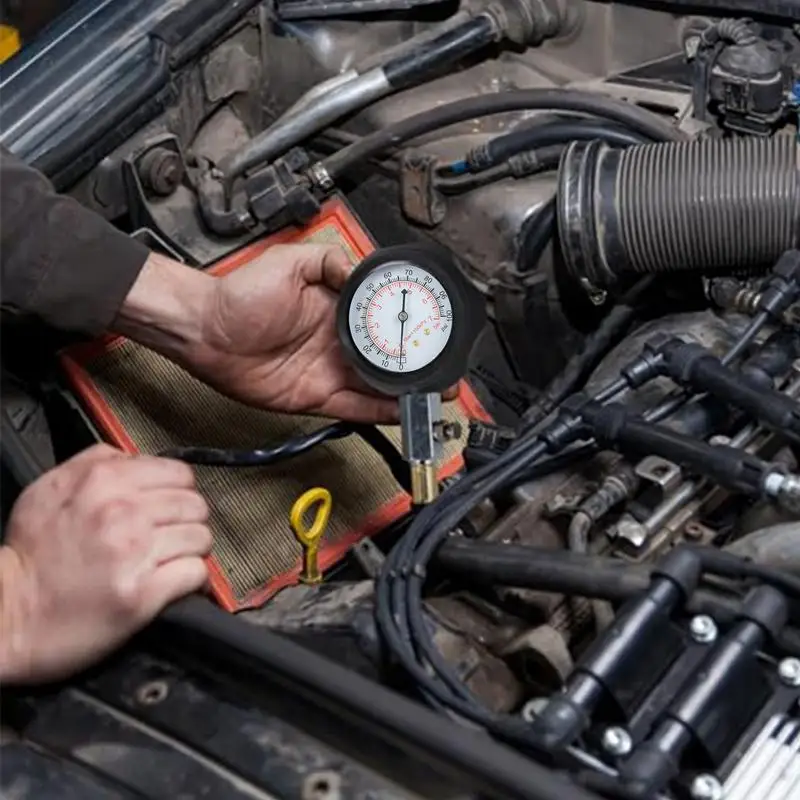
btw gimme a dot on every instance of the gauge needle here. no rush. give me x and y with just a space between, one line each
402 316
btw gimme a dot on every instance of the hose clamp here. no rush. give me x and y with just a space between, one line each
320 177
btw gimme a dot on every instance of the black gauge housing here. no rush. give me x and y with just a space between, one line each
469 317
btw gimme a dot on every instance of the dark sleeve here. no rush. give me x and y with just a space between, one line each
60 261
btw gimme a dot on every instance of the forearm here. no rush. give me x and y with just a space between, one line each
60 261
167 308
66 265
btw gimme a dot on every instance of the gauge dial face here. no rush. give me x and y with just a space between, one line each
400 317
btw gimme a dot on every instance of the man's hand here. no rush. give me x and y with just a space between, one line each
272 337
264 334
94 550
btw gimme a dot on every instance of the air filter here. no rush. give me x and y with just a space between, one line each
141 402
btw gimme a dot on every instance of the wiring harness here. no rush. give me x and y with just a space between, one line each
581 424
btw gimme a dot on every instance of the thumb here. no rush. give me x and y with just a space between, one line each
326 264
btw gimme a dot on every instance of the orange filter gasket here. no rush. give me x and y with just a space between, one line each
141 402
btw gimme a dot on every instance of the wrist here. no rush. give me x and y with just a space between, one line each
168 308
14 658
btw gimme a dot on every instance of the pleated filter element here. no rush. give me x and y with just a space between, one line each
141 402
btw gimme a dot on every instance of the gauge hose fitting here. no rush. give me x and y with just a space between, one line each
731 205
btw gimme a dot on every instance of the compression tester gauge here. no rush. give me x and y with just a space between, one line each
407 320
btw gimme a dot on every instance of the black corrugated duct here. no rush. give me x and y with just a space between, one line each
706 205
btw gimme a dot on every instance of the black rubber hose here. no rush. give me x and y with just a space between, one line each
448 48
495 768
261 457
773 359
194 27
696 367
537 235
458 184
532 137
674 400
577 574
614 426
627 114
732 31
291 448
559 571
724 205
732 566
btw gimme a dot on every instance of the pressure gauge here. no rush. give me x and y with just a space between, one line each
407 320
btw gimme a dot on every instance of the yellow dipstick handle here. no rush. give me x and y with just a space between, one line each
310 538
9 42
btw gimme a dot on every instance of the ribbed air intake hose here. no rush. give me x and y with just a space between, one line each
723 205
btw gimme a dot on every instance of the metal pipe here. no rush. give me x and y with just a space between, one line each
307 120
318 90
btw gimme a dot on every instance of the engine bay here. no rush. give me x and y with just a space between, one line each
602 580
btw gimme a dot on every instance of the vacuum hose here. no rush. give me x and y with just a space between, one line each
730 205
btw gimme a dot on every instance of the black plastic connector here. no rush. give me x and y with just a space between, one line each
489 438
647 365
569 426
615 426
702 715
640 630
277 197
694 366
783 285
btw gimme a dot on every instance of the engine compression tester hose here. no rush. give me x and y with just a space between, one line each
296 446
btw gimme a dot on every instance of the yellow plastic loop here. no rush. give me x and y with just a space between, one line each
310 538
9 42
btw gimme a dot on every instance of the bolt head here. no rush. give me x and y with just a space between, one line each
617 741
533 708
693 531
161 170
703 629
706 787
789 671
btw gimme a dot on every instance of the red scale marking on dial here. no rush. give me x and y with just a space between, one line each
372 326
